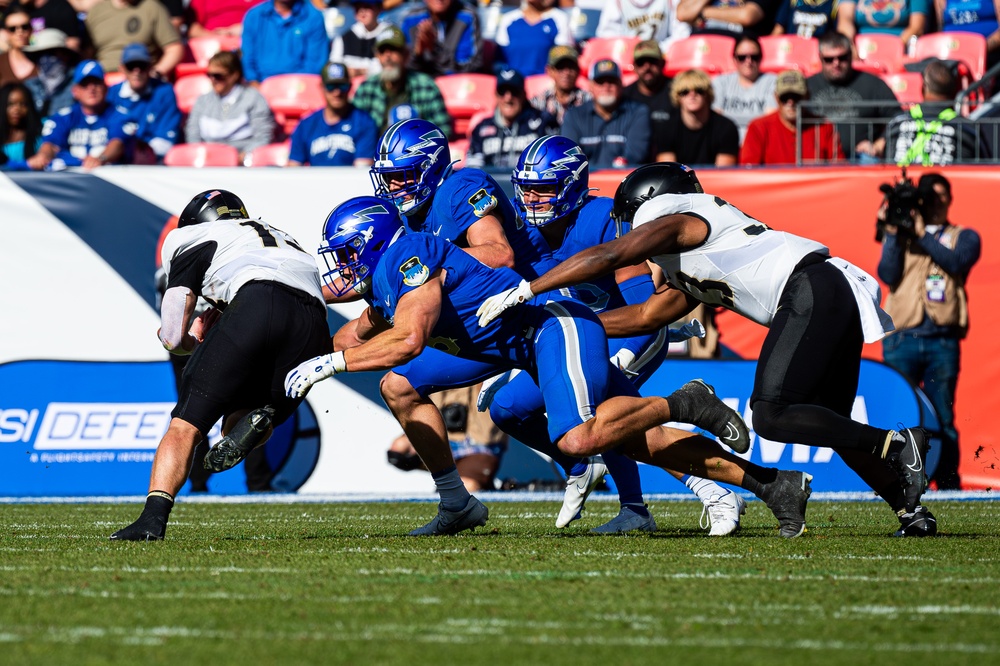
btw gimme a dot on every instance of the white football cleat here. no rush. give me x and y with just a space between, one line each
578 488
722 513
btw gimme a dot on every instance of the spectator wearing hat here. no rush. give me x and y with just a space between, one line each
283 37
149 103
52 86
564 70
114 24
772 138
338 134
612 131
444 38
397 85
696 134
356 47
231 112
745 93
500 140
91 133
207 18
652 87
526 35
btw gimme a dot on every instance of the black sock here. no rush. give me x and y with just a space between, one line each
756 477
158 505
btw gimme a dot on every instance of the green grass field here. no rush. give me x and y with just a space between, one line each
259 584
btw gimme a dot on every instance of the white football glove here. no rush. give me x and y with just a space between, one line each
300 380
692 329
494 305
622 360
491 386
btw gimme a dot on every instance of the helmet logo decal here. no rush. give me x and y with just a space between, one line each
414 272
366 216
482 203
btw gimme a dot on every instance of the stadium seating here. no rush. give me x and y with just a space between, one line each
536 84
781 52
112 78
478 118
292 96
907 86
618 49
712 54
202 155
458 150
190 88
200 49
273 154
967 47
465 95
881 52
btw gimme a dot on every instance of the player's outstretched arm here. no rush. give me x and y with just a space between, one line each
664 307
357 331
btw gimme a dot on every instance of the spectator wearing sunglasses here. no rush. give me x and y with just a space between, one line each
858 103
652 86
338 134
149 103
231 112
15 65
696 134
772 138
745 93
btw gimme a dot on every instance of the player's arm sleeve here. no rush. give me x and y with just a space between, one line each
188 268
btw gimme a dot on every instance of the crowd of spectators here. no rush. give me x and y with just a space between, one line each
370 63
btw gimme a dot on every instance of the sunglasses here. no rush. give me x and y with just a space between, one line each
136 66
217 77
648 62
829 60
684 92
20 27
790 97
339 87
565 64
744 57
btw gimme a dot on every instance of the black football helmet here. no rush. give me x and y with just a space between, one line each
212 205
652 180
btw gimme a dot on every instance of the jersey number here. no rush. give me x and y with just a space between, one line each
715 291
755 229
266 237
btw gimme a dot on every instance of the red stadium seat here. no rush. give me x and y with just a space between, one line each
273 154
465 95
292 96
907 86
202 155
112 78
713 54
968 47
618 49
478 118
880 52
536 84
189 89
781 52
200 49
458 150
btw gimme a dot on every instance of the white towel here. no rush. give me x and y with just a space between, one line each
875 322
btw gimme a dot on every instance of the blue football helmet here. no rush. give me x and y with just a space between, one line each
551 161
355 236
416 152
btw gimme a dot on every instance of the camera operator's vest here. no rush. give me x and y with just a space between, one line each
908 301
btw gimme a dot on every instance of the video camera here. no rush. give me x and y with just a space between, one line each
902 198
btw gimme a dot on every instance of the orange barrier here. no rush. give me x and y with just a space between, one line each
837 207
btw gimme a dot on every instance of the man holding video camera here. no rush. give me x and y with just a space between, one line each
925 262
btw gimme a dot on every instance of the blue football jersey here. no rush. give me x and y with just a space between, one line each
465 197
78 135
590 226
318 143
413 259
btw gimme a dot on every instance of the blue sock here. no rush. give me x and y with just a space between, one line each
625 473
449 485
577 469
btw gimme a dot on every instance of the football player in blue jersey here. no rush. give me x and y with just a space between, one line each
423 291
412 172
551 192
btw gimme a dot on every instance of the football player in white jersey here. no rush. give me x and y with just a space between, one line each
268 317
819 309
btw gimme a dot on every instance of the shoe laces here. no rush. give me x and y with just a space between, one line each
712 511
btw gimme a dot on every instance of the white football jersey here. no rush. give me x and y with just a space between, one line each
231 253
743 265
645 19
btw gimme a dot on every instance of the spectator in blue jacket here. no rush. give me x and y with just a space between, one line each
283 37
90 133
613 131
338 134
444 38
149 103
